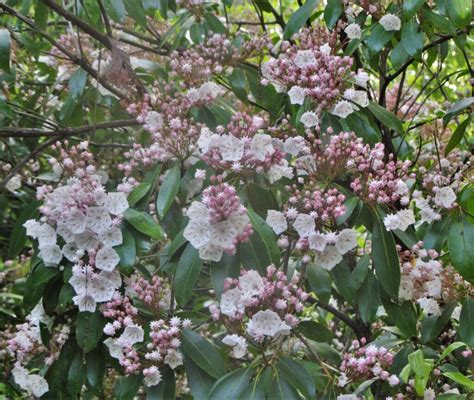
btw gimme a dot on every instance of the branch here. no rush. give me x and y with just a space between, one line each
32 132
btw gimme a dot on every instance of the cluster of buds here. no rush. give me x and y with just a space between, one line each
367 362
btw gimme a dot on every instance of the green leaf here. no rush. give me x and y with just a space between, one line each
279 388
368 298
378 38
460 12
385 258
187 274
18 234
460 379
267 237
214 23
298 376
448 350
458 108
127 251
116 10
319 281
228 266
398 55
412 38
417 363
260 199
298 18
77 83
457 136
332 12
466 322
168 190
461 249
5 41
232 385
410 7
441 23
138 193
96 368
41 15
386 117
432 326
135 10
341 275
238 83
77 374
89 328
404 317
126 387
203 353
199 382
144 223
315 331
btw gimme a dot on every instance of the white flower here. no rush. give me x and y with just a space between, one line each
357 96
152 376
429 306
71 252
198 233
277 221
325 49
231 148
353 31
391 222
294 145
115 350
210 91
429 394
51 254
85 302
76 222
14 183
238 343
261 146
106 259
46 235
111 237
230 303
132 334
173 358
251 284
304 58
317 241
296 95
362 78
304 225
211 253
309 119
153 121
406 288
204 140
346 240
267 323
328 258
98 219
347 397
445 197
342 109
86 241
393 380
32 228
401 220
390 22
34 384
276 172
116 203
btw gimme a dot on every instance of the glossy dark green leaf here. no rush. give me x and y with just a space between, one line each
199 381
267 237
187 274
214 23
341 275
89 328
315 331
386 117
18 234
144 223
398 55
280 389
319 281
41 15
126 387
227 267
138 193
96 365
368 298
466 322
238 82
332 12
115 9
457 136
439 22
166 389
168 190
298 18
461 249
5 41
232 385
127 251
135 11
385 259
432 326
457 108
77 374
260 199
378 38
203 353
298 376
412 38
404 317
410 7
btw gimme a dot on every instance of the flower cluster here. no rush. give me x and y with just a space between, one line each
367 362
402 219
127 341
258 308
218 223
245 150
196 66
309 69
87 220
